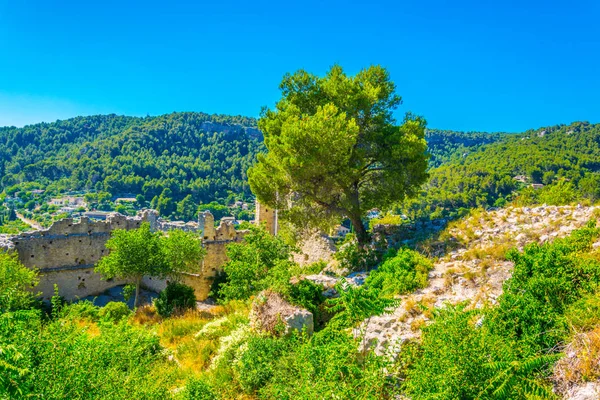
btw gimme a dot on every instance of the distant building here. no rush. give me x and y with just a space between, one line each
38 191
520 178
68 201
537 186
340 231
125 200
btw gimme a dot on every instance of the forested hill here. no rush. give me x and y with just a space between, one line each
563 158
205 155
444 145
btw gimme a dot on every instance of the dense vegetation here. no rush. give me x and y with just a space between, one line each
505 351
205 156
444 146
565 158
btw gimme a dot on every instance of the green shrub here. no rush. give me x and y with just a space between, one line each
400 274
328 366
114 311
81 310
251 263
175 298
307 294
60 360
255 365
355 257
15 283
198 389
584 314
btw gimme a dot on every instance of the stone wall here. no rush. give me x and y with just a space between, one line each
66 253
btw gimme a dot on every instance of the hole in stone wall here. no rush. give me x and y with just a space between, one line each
32 256
67 254
109 280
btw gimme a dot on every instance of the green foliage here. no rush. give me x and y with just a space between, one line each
445 146
546 280
333 147
507 351
403 273
198 389
256 364
114 311
195 154
356 257
356 304
183 251
584 314
58 360
176 297
15 283
252 265
138 252
565 159
328 366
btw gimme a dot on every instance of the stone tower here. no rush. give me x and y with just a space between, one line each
206 224
266 216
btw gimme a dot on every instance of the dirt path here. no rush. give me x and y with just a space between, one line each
30 222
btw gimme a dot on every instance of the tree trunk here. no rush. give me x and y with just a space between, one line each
137 292
361 233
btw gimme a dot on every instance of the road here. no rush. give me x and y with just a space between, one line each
29 222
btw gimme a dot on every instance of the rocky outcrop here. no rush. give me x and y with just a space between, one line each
314 248
271 313
475 269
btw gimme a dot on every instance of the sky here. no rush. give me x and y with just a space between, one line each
464 65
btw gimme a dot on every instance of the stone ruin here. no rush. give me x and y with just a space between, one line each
66 253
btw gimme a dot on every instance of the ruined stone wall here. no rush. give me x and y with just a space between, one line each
67 252
215 241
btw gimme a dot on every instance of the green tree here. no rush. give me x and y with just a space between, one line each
335 150
186 208
138 252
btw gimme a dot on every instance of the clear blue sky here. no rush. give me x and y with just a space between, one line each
464 65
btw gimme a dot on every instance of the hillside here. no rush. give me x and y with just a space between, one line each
187 153
444 145
564 158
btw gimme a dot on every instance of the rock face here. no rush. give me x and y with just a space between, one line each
271 313
316 247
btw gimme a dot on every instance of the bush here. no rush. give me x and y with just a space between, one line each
584 314
256 361
198 389
114 311
16 280
250 263
403 273
81 310
355 257
308 295
175 298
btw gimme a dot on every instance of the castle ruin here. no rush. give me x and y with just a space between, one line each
65 254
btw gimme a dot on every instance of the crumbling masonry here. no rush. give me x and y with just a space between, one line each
65 254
